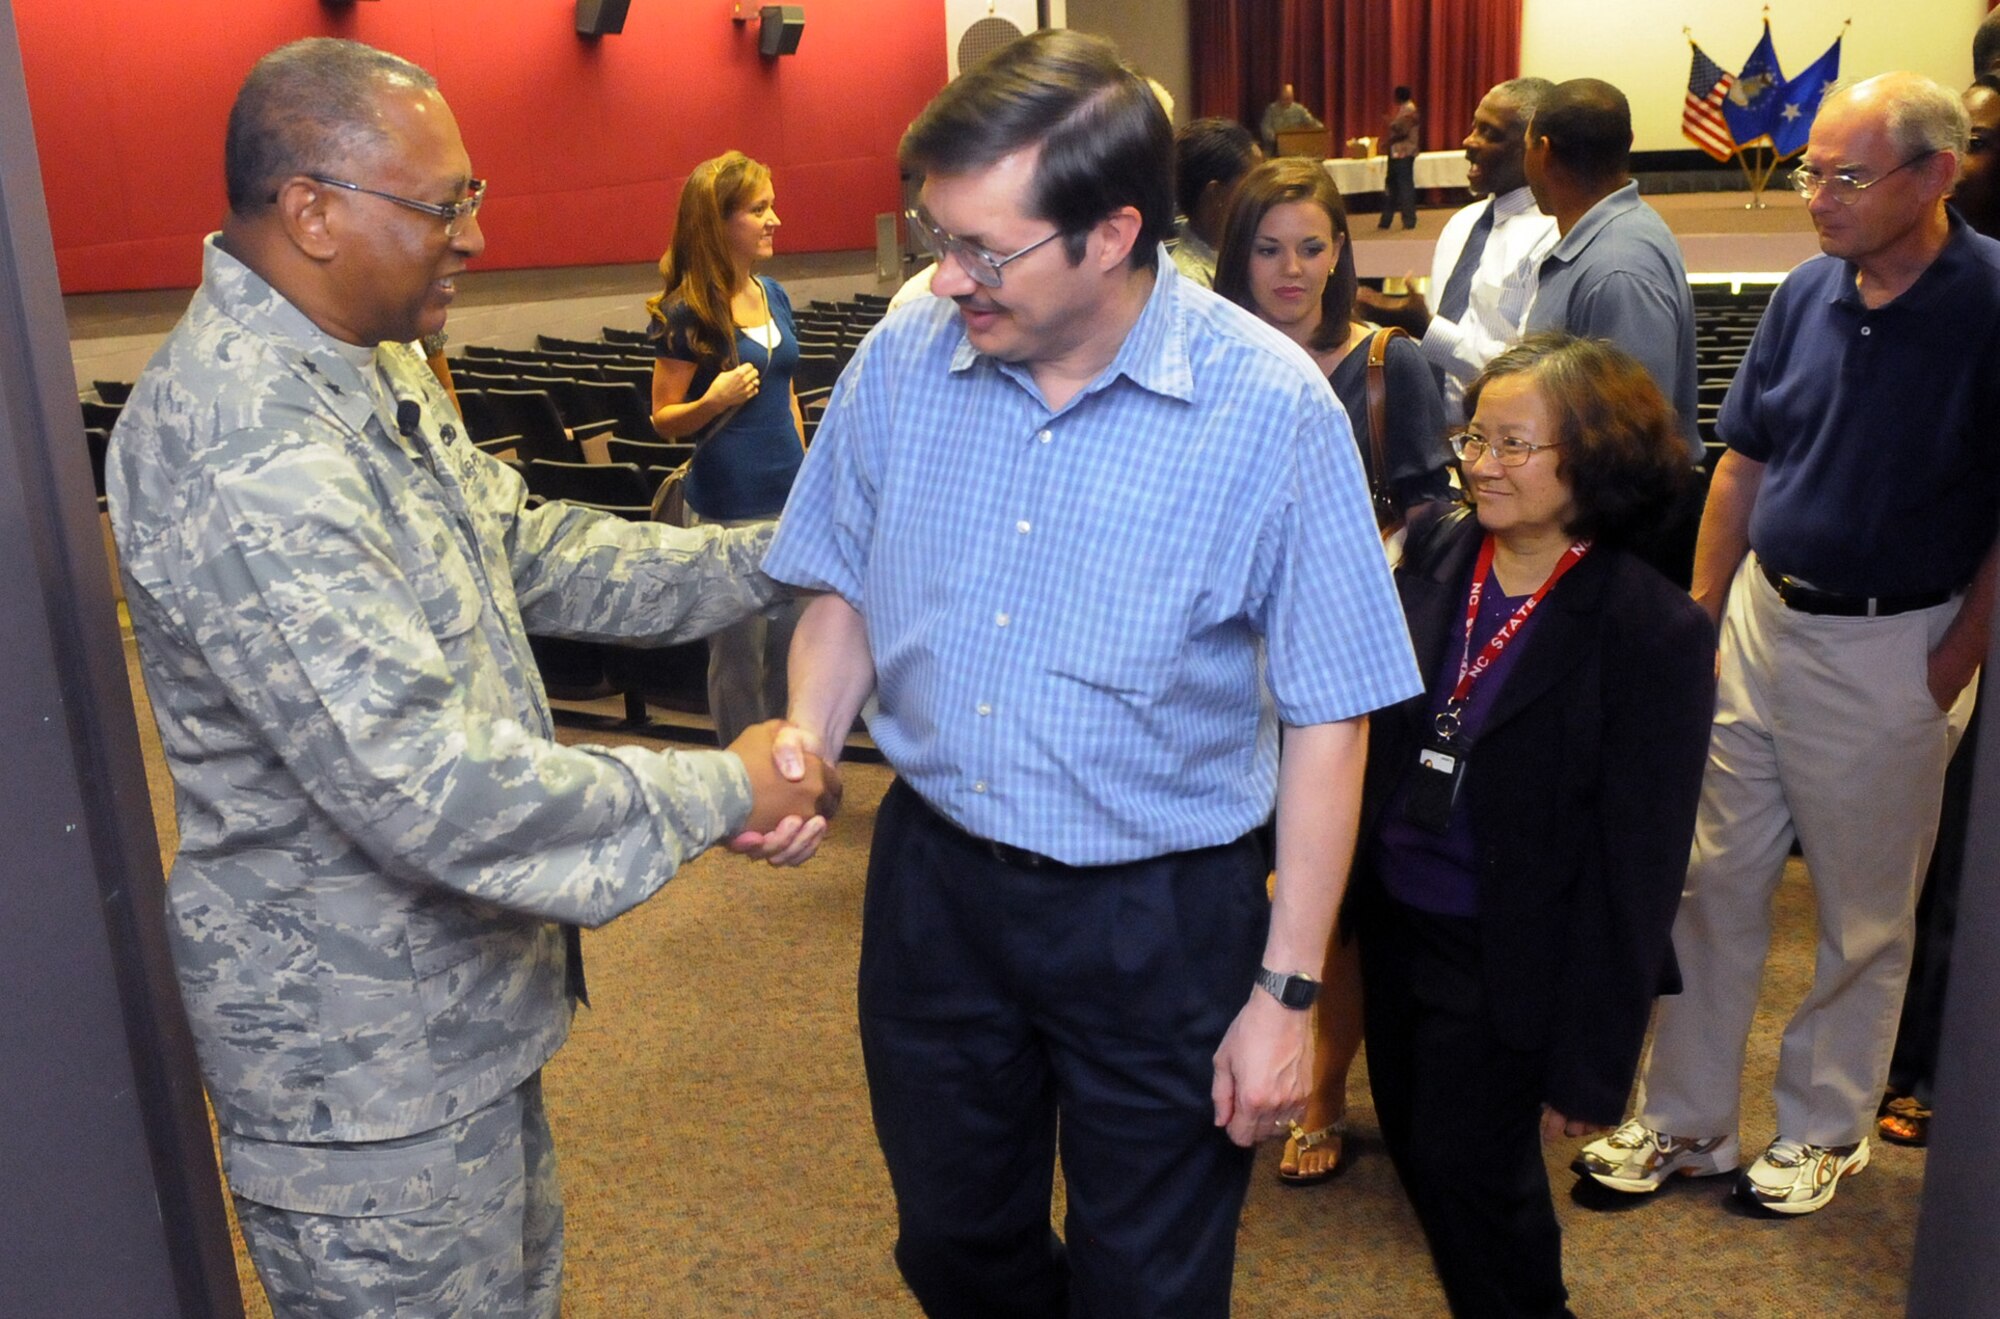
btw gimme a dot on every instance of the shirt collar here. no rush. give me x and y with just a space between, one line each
1519 201
1186 236
1595 220
1154 355
244 296
1945 273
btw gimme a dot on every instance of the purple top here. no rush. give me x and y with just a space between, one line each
1436 872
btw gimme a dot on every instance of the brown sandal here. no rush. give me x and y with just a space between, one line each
1905 1120
1300 1141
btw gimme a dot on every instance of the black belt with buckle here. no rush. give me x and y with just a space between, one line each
1811 600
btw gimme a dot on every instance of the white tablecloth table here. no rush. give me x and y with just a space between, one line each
1435 169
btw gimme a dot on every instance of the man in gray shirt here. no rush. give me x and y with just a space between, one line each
1616 272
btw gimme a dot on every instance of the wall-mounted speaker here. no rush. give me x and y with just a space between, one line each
601 18
974 29
781 28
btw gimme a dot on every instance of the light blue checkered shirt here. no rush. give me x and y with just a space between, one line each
1086 624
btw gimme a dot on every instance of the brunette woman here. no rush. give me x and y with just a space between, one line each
723 381
1286 256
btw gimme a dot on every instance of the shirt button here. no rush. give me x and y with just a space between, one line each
1045 437
1000 620
984 709
1022 526
1866 330
979 786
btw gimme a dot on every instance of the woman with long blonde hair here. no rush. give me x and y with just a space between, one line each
723 381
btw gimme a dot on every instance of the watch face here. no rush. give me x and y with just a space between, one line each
1299 992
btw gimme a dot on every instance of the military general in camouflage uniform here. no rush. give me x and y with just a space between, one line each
380 839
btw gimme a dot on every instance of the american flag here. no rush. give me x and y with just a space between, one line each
1701 113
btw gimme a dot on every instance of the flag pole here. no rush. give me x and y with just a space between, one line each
1756 177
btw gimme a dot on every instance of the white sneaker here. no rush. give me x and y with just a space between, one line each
1792 1177
1637 1159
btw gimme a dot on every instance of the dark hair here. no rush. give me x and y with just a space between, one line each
1588 124
1986 43
1104 140
697 268
1264 188
305 107
1619 447
1402 93
1206 151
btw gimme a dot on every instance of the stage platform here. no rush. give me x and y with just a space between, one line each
1718 235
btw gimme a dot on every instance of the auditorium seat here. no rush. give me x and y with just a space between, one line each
614 487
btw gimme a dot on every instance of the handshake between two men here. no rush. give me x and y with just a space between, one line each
793 793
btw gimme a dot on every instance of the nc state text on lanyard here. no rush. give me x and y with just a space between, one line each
1470 668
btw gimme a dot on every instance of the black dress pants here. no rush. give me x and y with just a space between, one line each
1399 194
1913 1066
1460 1113
1007 1007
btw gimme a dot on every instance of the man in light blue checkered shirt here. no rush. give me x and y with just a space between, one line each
1090 534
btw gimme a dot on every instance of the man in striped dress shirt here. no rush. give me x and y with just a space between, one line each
1089 534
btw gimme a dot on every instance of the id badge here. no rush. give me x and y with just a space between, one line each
1434 784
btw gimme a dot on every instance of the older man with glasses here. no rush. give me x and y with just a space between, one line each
1088 532
1847 550
384 853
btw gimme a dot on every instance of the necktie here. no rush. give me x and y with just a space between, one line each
1458 289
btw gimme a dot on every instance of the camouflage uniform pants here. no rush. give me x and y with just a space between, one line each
463 1220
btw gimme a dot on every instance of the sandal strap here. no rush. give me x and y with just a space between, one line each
1303 1140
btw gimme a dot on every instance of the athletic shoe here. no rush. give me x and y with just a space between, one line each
1795 1178
1637 1159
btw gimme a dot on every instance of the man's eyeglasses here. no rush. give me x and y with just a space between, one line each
1510 450
1843 187
454 214
980 266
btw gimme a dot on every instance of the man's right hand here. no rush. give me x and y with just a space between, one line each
1407 312
778 793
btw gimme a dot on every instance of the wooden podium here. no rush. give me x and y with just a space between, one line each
1314 142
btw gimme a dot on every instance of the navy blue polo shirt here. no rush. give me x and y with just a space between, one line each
1879 429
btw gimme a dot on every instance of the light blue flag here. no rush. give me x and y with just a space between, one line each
1751 107
1798 106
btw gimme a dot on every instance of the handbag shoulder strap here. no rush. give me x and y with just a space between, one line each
1378 411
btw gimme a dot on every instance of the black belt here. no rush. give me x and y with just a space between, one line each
1005 853
1811 600
1021 858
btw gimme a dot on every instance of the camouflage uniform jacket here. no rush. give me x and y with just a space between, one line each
376 827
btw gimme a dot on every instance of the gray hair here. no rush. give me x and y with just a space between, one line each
303 107
1526 95
1920 117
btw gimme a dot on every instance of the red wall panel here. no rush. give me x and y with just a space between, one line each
585 143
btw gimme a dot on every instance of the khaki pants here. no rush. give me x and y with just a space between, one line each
1824 729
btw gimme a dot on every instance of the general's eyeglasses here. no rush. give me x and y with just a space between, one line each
980 266
1842 186
1510 450
454 214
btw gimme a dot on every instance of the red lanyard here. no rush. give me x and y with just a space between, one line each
1469 667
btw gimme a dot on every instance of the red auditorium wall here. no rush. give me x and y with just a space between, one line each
585 143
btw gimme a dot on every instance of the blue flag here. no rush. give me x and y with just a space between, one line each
1798 105
1751 108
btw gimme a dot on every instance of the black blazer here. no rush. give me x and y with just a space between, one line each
1582 791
